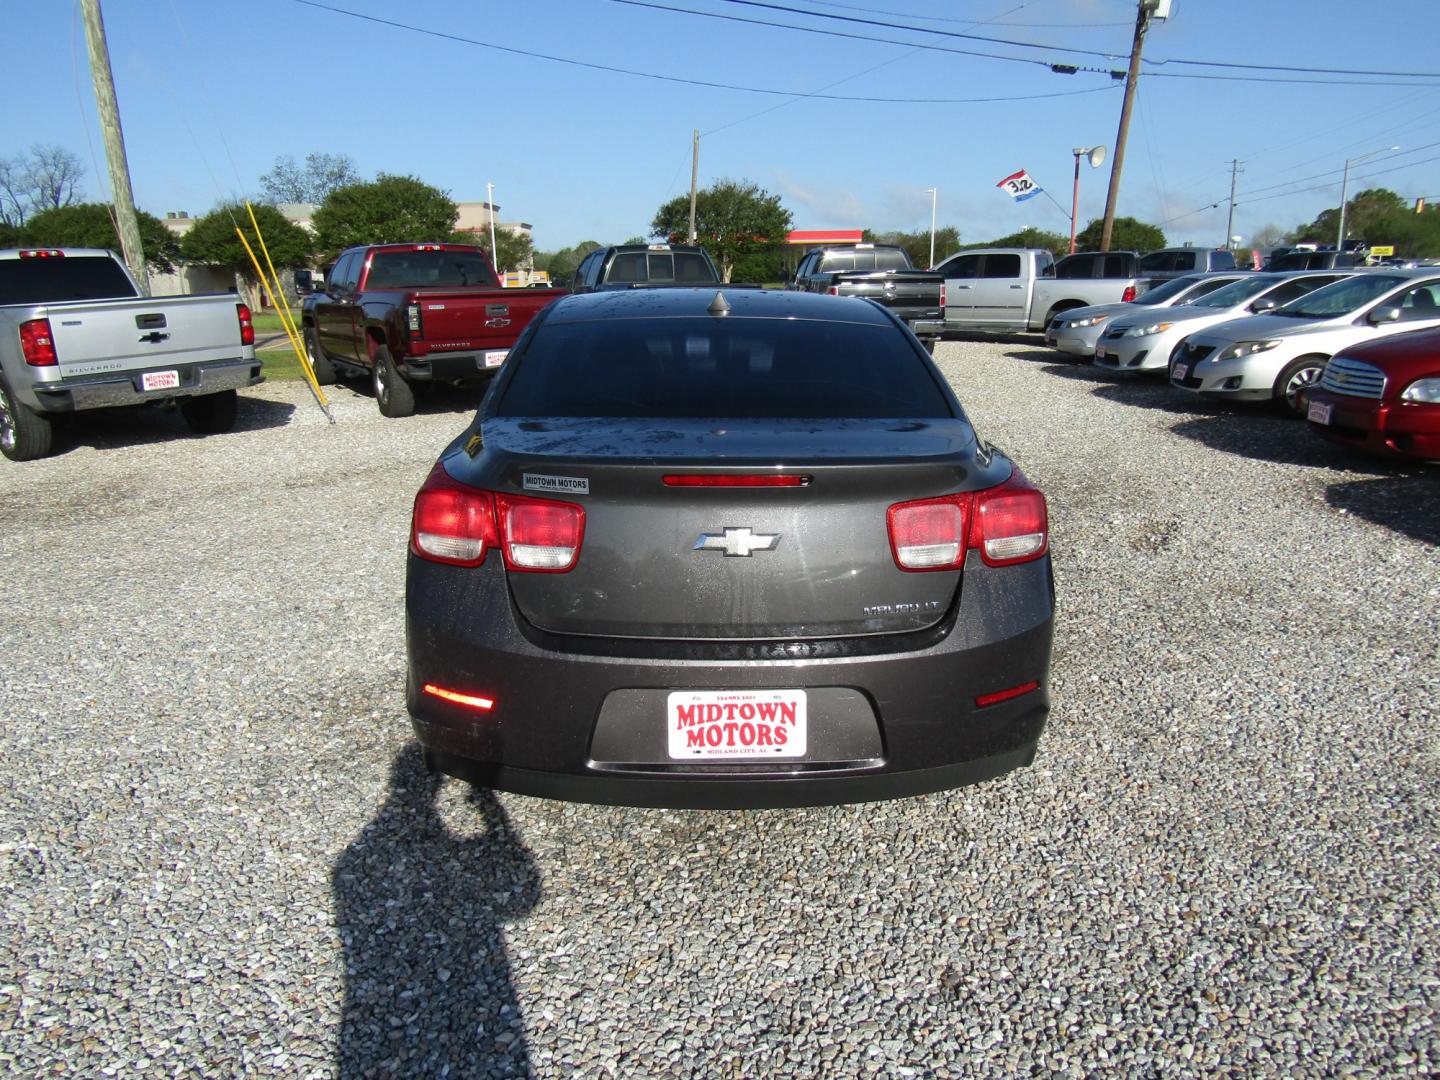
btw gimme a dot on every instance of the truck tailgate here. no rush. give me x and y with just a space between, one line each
95 336
475 319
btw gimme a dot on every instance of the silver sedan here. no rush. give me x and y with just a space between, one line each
1075 332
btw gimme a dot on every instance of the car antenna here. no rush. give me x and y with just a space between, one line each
719 306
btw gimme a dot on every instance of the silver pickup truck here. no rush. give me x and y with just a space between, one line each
75 334
1016 289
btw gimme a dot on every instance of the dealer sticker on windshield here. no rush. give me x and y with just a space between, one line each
736 723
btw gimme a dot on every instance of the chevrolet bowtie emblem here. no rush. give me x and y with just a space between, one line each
741 543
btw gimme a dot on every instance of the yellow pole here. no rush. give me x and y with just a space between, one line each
299 352
282 305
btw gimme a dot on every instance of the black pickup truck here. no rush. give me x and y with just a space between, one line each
879 272
644 266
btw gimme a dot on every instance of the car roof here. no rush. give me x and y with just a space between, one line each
672 303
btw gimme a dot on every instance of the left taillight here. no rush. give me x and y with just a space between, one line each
452 522
1006 524
37 343
457 524
1128 296
247 325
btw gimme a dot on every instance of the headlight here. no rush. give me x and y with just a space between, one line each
1089 320
1146 331
1246 348
1425 391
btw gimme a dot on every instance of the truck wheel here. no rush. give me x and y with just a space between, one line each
24 435
319 362
1300 374
392 392
210 414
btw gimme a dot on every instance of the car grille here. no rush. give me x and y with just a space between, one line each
1116 331
1193 354
1353 377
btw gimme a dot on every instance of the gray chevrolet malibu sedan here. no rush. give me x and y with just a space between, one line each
714 548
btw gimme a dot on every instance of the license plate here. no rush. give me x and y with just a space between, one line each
730 724
1319 412
160 380
1099 352
496 357
1179 372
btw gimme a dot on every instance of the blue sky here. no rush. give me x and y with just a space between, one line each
211 94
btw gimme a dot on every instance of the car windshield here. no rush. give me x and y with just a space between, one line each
1167 290
745 368
1341 298
1237 292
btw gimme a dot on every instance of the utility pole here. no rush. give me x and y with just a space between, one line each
1235 169
1132 80
694 179
126 220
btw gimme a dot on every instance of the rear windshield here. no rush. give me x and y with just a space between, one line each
738 368
68 277
428 270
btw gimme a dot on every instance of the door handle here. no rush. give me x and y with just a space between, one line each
1017 286
962 286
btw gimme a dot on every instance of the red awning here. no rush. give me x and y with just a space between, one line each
825 236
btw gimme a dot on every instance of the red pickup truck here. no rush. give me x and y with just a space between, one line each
408 315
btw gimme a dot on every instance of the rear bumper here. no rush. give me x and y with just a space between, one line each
453 367
1402 429
74 395
557 709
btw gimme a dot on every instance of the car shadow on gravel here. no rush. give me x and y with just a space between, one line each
1146 392
114 429
432 400
1003 339
1267 436
1409 505
419 910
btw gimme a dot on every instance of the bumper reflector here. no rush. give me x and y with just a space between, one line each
1004 695
471 700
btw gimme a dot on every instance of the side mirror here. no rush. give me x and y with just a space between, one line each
1385 314
1263 305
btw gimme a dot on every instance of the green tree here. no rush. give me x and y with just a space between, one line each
917 244
513 250
1362 214
561 265
1031 237
391 209
91 225
211 241
311 183
733 219
1127 235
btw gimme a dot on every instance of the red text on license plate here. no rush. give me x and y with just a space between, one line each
1319 412
160 380
1181 370
729 724
496 357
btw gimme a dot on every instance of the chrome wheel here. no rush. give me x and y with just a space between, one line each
382 388
1301 379
7 422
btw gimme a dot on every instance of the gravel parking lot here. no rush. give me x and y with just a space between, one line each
221 856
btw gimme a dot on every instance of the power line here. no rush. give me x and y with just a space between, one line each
987 22
461 39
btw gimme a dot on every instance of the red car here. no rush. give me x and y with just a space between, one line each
1383 396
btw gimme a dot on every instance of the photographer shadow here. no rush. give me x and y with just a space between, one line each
419 910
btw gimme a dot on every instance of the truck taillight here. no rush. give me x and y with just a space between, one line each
37 343
247 325
942 298
833 290
457 524
1128 295
41 253
412 318
1007 524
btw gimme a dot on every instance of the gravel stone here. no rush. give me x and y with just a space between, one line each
220 855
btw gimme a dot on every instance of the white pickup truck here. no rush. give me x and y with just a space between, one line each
75 334
1012 290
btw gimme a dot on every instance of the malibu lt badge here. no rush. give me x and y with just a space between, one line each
741 543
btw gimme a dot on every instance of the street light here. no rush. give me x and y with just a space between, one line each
931 192
1345 190
1096 155
490 206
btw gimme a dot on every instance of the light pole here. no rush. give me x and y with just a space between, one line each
1345 190
1096 155
490 206
931 192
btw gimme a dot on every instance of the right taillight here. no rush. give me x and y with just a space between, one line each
37 343
1006 524
1011 523
540 534
452 522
